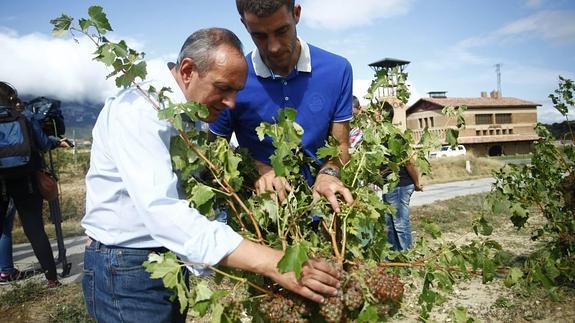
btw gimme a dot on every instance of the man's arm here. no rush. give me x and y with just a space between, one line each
328 185
317 279
412 172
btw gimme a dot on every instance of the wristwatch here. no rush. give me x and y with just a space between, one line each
329 171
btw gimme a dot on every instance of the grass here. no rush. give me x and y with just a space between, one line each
449 169
31 301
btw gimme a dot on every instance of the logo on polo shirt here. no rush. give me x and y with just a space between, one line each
316 102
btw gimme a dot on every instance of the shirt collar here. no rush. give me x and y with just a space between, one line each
303 62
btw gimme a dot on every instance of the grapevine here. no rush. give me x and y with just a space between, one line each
218 180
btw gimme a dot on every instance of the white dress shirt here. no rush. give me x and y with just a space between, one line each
131 190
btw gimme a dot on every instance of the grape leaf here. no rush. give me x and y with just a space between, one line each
99 19
293 259
61 25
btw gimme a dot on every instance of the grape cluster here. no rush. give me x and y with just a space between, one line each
386 287
332 309
234 311
281 309
353 294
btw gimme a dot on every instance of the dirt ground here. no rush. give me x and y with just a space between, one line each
491 302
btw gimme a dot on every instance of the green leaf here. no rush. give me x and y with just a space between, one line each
293 259
99 19
61 25
217 312
84 24
201 194
513 277
451 136
368 314
328 151
203 292
432 228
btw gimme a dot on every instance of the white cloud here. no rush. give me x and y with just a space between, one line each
533 3
343 14
556 27
41 65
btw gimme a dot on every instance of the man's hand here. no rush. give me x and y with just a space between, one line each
327 186
318 279
419 187
269 182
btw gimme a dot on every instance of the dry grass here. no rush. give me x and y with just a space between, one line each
450 169
72 205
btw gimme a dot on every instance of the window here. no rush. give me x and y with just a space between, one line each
426 124
501 118
503 131
483 119
478 132
432 123
420 123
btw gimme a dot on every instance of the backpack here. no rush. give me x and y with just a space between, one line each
16 144
48 114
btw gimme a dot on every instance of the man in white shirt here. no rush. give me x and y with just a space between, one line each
132 203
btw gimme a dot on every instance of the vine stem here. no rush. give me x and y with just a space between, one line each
361 161
241 280
333 240
233 207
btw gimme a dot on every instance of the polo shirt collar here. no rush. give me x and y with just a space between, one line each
303 62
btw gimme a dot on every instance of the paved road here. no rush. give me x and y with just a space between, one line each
24 257
445 191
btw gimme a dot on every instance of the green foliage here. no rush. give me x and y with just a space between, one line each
127 64
545 186
218 180
167 267
295 257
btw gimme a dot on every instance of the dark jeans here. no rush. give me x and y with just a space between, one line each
117 288
28 202
6 259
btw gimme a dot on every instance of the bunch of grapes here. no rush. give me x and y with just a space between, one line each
278 308
386 287
332 309
353 294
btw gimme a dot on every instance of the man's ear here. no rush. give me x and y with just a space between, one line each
296 12
187 69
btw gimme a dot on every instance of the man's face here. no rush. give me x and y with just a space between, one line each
217 87
275 37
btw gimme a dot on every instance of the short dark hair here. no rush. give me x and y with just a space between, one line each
200 46
263 8
355 102
8 94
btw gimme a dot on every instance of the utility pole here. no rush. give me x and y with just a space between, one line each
498 71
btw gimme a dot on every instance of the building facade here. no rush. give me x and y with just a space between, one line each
494 125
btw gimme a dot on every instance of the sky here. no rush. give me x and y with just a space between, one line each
453 45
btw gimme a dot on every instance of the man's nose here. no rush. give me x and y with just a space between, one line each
273 44
230 100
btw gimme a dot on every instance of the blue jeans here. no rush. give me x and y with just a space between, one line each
398 225
117 288
6 260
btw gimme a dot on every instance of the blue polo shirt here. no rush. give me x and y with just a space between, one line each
319 88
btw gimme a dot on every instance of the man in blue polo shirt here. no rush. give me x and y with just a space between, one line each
284 71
